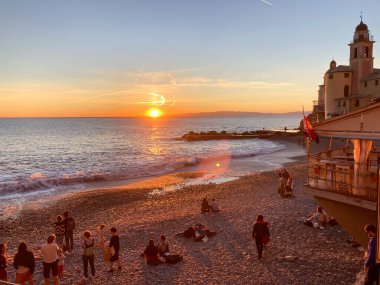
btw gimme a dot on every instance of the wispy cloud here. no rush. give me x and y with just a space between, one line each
268 3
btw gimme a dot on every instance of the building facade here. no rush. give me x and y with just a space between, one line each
349 87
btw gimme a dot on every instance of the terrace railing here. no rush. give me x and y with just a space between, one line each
334 171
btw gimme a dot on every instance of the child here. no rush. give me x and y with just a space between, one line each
101 239
61 262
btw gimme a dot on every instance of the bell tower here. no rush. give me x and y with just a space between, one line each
361 57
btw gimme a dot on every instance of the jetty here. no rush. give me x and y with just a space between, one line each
224 135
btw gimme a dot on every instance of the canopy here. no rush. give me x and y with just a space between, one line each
360 124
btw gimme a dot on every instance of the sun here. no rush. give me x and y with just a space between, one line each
154 113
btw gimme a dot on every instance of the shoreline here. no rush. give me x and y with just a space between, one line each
322 257
229 167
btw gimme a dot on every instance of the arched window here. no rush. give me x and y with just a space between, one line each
355 53
346 90
366 52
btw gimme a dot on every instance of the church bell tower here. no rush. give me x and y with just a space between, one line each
361 57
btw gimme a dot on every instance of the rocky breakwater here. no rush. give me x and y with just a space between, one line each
224 135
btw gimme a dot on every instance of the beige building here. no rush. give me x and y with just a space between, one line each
349 87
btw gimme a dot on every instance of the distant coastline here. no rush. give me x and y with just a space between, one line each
236 114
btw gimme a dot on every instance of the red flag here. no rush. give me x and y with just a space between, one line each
308 130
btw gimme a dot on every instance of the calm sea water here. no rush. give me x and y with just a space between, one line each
39 155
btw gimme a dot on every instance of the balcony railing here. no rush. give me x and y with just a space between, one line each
334 171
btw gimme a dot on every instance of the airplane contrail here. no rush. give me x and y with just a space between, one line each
159 100
266 2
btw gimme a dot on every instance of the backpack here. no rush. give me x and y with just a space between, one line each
70 226
59 228
89 249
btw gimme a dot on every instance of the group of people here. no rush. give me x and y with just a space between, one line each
54 250
156 254
206 207
23 262
286 184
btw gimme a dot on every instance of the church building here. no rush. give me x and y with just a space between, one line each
349 87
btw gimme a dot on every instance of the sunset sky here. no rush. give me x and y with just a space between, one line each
120 58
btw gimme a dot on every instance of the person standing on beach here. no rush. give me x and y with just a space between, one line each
61 263
259 233
59 231
3 262
69 231
371 267
114 247
88 254
24 264
100 238
50 259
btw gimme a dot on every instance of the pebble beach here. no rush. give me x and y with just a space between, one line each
296 254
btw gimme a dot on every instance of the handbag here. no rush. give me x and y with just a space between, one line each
107 254
266 239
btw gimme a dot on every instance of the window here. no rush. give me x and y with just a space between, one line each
346 75
355 53
338 103
376 82
366 52
365 84
357 103
344 103
331 76
346 90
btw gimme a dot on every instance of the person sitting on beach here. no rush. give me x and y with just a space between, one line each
163 246
261 234
59 231
289 186
189 233
202 232
318 218
197 232
50 259
3 262
214 206
151 254
24 264
284 176
205 206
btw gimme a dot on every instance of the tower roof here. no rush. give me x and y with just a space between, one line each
361 27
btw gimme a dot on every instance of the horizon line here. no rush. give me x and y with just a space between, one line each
206 114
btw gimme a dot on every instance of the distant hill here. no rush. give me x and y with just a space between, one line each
237 114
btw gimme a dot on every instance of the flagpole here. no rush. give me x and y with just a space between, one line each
307 145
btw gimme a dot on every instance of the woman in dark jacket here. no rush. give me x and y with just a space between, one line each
151 254
260 232
24 264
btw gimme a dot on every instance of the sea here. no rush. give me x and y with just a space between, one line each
49 156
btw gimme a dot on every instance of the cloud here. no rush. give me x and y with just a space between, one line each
268 3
